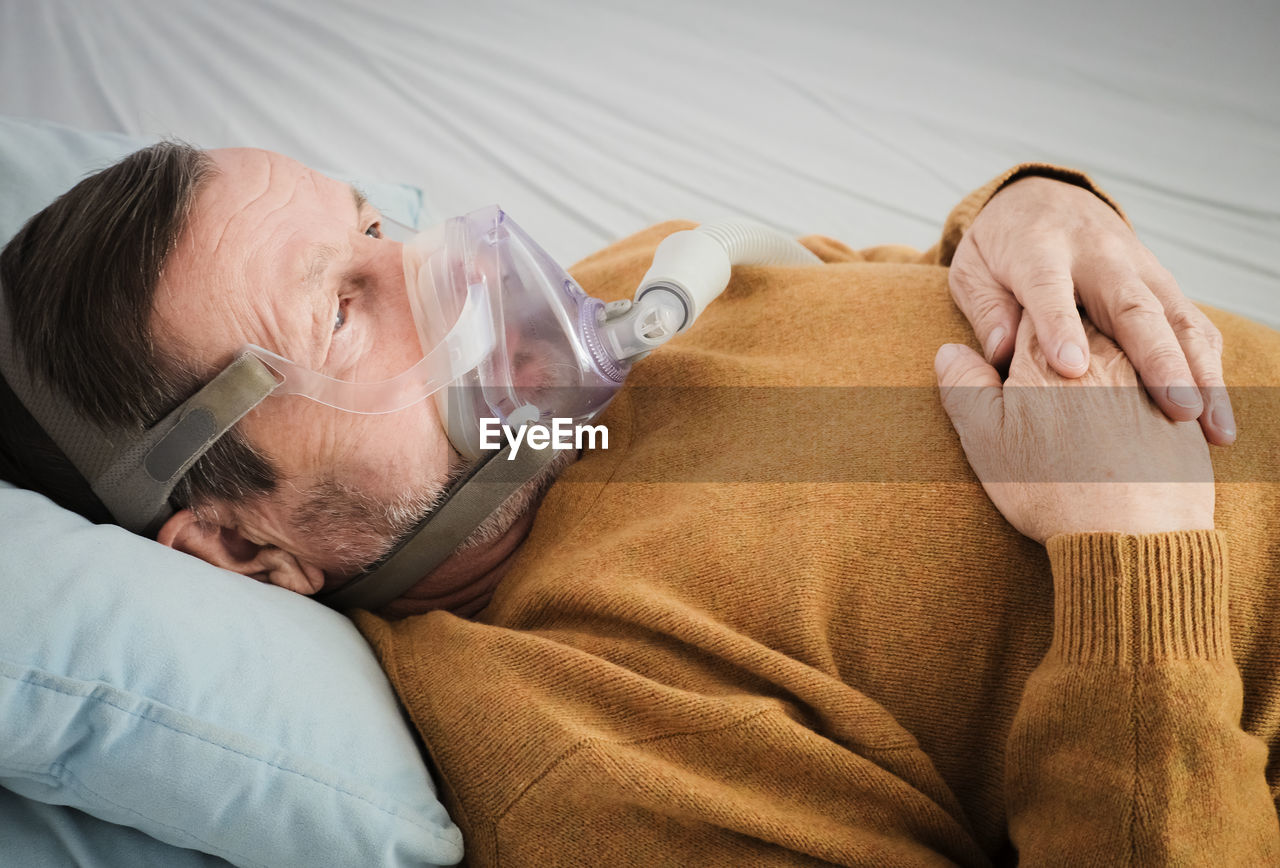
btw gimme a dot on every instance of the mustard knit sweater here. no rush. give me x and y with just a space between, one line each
778 622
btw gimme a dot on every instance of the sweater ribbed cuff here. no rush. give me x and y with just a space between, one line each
1130 600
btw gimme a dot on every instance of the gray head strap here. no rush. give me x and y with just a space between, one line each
133 471
471 500
137 483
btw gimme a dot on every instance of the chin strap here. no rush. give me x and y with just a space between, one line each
470 500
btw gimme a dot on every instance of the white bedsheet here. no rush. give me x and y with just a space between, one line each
589 120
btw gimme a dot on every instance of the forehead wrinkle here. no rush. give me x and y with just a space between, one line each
259 194
274 194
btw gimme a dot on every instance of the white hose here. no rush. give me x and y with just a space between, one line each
749 243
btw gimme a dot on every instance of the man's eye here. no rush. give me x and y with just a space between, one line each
374 231
340 318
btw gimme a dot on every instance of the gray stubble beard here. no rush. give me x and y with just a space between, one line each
361 530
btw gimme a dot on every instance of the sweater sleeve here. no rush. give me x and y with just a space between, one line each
957 223
1127 746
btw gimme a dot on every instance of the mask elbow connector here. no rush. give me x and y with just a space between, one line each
692 267
630 330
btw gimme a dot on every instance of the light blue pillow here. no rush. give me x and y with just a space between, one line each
153 692
52 836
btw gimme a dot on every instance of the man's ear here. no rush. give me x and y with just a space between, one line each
226 547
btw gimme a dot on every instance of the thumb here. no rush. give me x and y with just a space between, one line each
971 391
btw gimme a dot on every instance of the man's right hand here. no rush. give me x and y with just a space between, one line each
1060 455
1039 247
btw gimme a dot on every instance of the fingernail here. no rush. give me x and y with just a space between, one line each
1223 419
945 356
1071 355
993 341
1183 394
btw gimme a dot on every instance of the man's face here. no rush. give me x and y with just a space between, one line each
280 256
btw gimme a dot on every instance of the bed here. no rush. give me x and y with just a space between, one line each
587 121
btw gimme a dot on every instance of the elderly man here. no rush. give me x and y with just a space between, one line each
725 639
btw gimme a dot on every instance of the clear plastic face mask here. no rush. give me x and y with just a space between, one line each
505 332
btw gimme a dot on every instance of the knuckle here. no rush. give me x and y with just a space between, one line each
1189 330
969 380
1058 318
1168 361
1103 250
1211 334
1184 321
1045 278
1056 323
991 308
1113 247
1136 304
1193 327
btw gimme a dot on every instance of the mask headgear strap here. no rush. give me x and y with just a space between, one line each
470 500
133 471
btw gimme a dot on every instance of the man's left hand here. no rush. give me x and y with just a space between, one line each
1073 456
1047 246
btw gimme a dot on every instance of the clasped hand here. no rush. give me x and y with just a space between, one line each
1059 455
1069 442
1046 246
